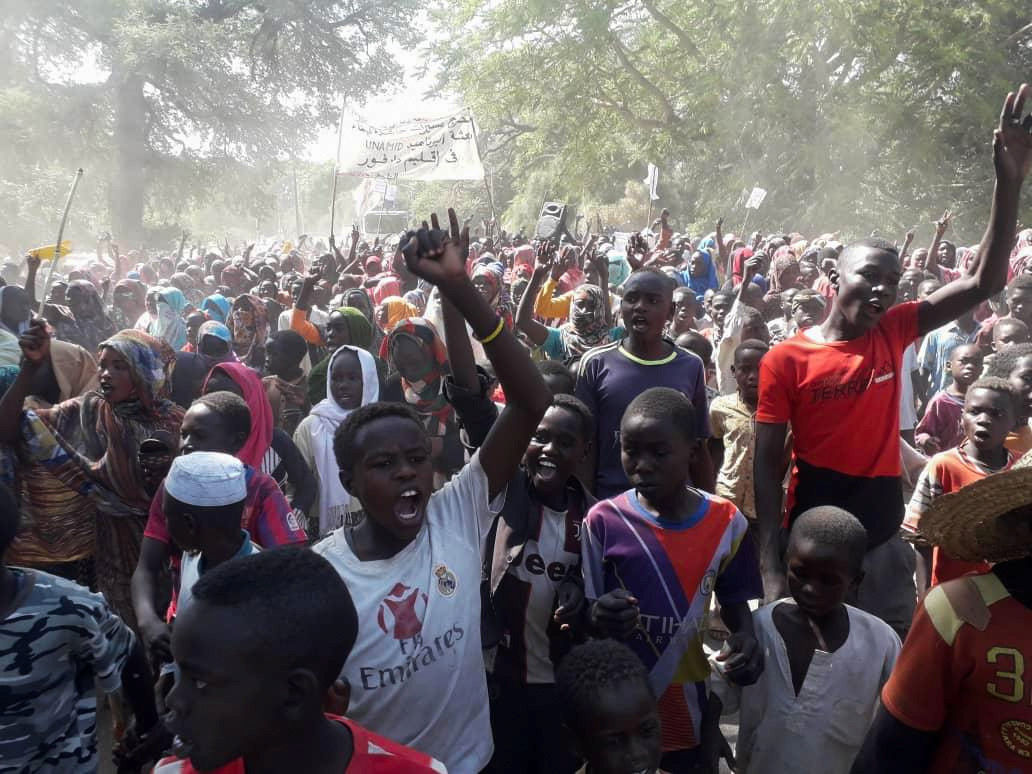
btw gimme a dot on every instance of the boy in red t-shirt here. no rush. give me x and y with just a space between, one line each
959 699
258 651
839 385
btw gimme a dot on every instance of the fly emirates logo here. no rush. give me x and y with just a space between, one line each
400 617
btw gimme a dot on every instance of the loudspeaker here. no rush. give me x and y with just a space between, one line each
552 221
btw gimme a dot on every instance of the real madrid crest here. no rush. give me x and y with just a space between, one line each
446 581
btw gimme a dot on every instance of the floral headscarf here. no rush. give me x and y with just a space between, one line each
426 393
585 331
151 360
250 327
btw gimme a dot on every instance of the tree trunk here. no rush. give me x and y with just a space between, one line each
127 184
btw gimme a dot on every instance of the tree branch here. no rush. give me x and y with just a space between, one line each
683 37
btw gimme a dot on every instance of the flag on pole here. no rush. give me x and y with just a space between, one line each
652 181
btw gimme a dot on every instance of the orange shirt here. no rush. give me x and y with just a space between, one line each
969 685
842 399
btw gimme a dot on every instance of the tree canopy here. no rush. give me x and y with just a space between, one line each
167 97
853 114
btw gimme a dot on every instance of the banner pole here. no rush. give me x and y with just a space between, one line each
57 245
487 185
336 164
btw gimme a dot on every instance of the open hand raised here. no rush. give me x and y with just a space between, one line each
1012 142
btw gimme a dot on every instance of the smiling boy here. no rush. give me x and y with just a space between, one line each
838 384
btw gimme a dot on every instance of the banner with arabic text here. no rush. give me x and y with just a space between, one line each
422 149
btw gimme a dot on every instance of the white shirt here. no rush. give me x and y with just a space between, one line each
823 727
724 354
907 410
190 570
417 669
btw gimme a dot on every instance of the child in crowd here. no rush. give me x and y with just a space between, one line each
413 565
609 709
557 376
933 357
1015 365
696 342
204 497
826 661
351 382
532 565
743 321
940 428
610 376
258 651
1006 333
686 309
988 415
784 326
286 385
807 309
732 422
216 422
654 555
958 699
58 642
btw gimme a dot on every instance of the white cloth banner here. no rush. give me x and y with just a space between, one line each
422 149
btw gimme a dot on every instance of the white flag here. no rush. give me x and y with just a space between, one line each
652 181
756 199
421 149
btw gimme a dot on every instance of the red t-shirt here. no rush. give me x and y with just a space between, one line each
969 685
373 755
842 399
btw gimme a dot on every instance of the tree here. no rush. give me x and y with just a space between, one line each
852 113
185 90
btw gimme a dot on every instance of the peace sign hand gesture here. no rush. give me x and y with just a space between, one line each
1012 141
432 254
943 223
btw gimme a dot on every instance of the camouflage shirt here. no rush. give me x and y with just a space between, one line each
56 640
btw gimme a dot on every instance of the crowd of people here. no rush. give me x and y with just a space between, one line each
445 503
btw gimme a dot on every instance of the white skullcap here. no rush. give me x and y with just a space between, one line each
207 479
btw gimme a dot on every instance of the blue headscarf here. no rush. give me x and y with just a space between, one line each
709 281
216 306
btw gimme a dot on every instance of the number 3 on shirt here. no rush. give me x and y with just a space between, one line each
1009 686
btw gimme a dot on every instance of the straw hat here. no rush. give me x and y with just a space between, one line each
989 520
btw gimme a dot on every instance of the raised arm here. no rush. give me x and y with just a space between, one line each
907 241
536 332
943 223
436 258
1012 158
35 346
768 472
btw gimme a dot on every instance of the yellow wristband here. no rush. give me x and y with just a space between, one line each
494 334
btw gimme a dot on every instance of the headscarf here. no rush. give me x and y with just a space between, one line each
738 259
138 292
93 326
170 325
784 262
493 272
250 384
24 324
219 331
708 281
360 333
217 307
398 309
417 298
387 287
585 331
334 499
359 299
250 329
426 393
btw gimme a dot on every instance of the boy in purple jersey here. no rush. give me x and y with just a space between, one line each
653 555
611 376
